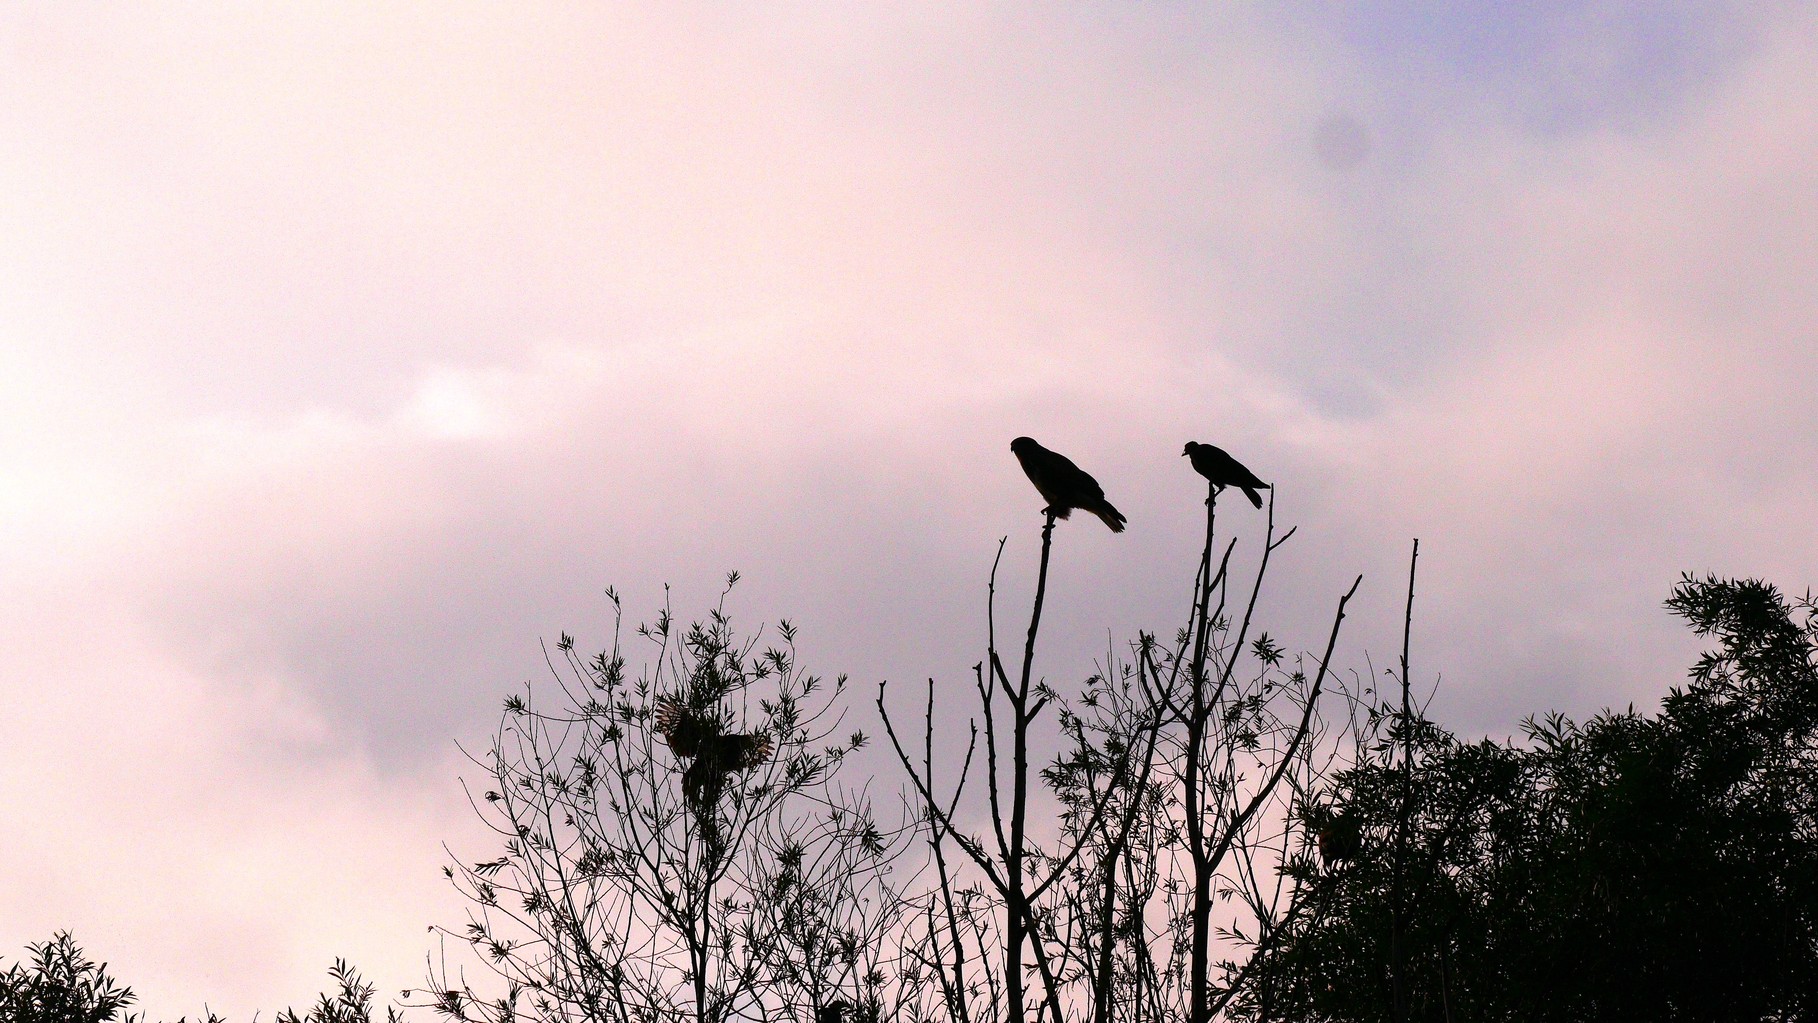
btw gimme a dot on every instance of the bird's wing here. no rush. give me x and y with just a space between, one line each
677 726
1047 471
1076 484
749 749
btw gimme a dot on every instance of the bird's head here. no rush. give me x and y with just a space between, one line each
1022 444
1192 445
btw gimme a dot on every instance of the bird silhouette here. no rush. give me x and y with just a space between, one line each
835 1011
701 736
1339 839
1063 485
1224 471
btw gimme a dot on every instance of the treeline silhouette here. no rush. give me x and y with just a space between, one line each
58 983
1205 826
1633 866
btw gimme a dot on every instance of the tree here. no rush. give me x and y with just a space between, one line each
1174 774
675 845
1627 867
60 985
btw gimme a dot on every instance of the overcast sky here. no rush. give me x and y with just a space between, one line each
346 354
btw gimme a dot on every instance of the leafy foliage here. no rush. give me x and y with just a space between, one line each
1627 867
351 1003
60 985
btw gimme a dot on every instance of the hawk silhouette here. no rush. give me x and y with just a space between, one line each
701 736
1063 485
1340 839
1224 471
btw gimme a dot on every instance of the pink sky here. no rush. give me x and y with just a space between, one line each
344 355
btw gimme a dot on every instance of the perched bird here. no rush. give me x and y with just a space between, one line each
835 1011
1224 471
716 753
1063 485
1339 839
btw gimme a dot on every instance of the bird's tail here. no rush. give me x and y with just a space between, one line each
1111 516
1255 498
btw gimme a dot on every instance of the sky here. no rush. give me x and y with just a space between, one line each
349 351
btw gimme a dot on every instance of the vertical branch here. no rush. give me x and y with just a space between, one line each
1118 852
1203 587
987 690
1017 910
1200 908
1407 626
1035 615
1008 871
956 999
1398 950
